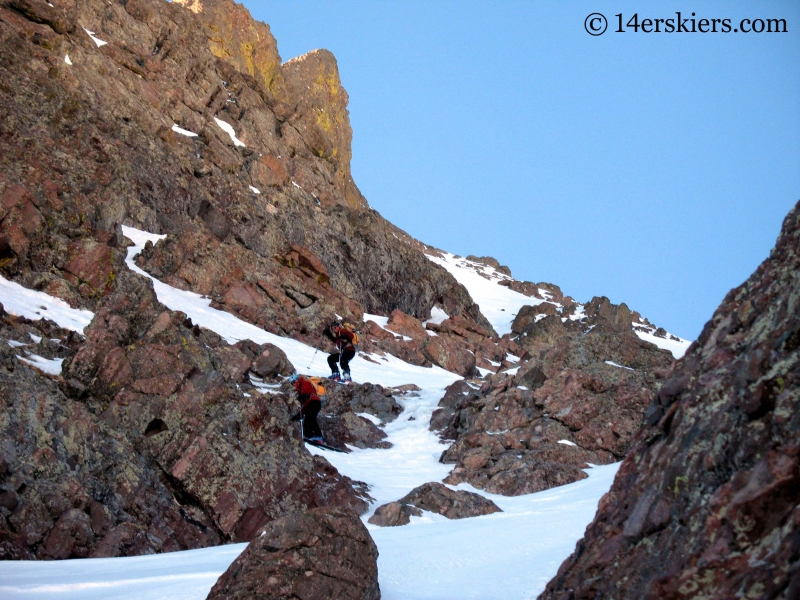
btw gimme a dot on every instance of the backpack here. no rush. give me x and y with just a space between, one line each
355 334
321 392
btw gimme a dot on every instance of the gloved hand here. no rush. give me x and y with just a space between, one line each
297 417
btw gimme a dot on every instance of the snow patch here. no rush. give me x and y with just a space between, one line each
228 128
678 348
567 443
67 60
371 418
254 189
437 316
22 302
182 131
96 40
46 365
613 364
498 303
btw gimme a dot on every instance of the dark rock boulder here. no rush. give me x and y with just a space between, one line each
528 314
322 553
266 360
438 498
490 262
618 317
544 331
393 514
706 502
370 398
347 428
456 396
526 288
433 497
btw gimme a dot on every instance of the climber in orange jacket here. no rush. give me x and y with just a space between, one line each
345 339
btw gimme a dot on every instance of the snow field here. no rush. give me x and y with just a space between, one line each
502 556
498 303
678 348
188 575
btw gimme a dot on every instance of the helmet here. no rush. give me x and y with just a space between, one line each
293 377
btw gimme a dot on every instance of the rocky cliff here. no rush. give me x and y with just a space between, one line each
576 397
147 442
705 505
128 125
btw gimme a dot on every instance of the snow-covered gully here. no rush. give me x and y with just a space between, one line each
508 555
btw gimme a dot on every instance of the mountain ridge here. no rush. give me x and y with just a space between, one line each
192 191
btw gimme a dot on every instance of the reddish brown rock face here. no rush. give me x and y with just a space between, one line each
527 315
394 514
706 502
401 323
541 427
148 443
318 554
449 353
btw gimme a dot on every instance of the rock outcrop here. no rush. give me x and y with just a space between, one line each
322 553
433 497
540 427
145 442
706 503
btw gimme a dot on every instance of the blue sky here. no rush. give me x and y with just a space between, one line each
654 169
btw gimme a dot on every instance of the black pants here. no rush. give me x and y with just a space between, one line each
310 425
344 358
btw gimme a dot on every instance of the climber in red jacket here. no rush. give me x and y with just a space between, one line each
310 405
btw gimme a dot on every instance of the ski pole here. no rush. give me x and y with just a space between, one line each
312 358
